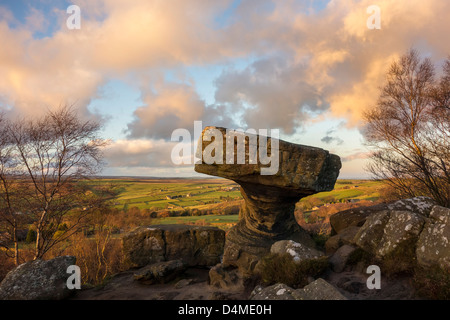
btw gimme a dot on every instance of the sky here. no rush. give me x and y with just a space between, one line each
144 68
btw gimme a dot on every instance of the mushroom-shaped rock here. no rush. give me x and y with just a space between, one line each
273 175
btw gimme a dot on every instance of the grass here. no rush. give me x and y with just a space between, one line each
201 194
153 193
148 193
221 221
432 283
351 190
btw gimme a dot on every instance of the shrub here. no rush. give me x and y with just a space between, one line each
360 255
62 227
320 239
196 212
401 260
201 222
6 264
389 193
281 268
58 234
163 214
31 236
432 283
99 257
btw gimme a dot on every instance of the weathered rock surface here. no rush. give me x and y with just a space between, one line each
160 272
225 277
370 234
345 236
267 213
277 291
385 231
183 283
316 290
353 217
190 285
194 245
396 230
353 285
298 251
403 228
433 247
339 259
38 280
420 205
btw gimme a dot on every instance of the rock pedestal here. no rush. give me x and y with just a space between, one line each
267 215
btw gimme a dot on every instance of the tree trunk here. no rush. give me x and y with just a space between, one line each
38 240
16 246
38 251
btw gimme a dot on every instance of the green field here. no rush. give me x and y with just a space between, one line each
204 194
170 193
220 221
176 194
352 190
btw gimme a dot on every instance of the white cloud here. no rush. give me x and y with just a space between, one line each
139 153
304 63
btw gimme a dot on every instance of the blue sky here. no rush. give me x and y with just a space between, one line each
146 68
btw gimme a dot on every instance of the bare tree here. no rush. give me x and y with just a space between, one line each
57 153
409 129
11 219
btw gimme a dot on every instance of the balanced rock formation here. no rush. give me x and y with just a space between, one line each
194 245
267 213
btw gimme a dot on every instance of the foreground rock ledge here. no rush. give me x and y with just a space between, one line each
267 213
38 280
194 245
